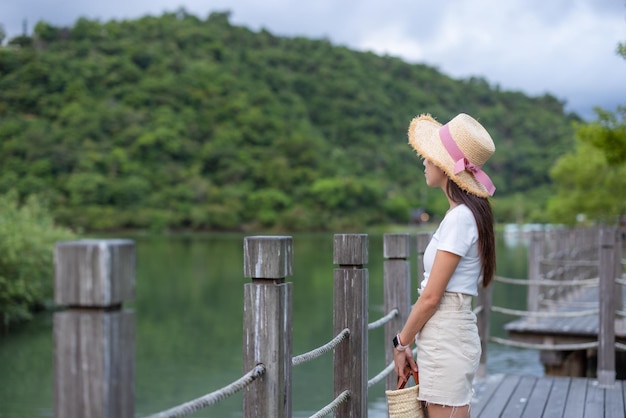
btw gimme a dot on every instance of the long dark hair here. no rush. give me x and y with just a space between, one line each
481 208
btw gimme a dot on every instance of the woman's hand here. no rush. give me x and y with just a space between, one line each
404 363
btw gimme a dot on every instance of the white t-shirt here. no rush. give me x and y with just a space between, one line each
457 234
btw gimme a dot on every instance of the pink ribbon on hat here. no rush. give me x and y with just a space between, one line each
461 163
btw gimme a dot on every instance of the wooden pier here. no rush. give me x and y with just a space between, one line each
575 313
549 397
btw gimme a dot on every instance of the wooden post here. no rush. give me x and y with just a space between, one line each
94 337
535 256
423 238
484 301
397 291
350 252
606 332
267 325
619 271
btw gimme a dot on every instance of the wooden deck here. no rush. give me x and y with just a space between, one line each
549 397
567 329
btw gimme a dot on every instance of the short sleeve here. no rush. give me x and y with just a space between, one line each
458 231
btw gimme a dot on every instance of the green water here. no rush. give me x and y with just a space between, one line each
189 310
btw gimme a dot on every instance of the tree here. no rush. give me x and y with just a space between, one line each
27 237
591 180
588 187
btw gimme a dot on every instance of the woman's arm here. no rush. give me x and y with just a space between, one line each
443 267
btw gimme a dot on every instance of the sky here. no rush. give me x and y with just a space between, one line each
566 48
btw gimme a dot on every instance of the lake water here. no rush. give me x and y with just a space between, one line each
189 325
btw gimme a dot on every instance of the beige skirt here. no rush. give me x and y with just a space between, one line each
448 352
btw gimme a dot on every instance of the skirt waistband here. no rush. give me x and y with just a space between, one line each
455 302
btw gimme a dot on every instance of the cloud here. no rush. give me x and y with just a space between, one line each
562 47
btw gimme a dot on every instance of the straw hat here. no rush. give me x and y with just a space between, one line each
459 148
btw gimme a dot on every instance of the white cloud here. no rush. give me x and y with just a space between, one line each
563 47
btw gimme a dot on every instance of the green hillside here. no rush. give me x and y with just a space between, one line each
187 123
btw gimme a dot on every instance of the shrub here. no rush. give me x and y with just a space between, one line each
27 238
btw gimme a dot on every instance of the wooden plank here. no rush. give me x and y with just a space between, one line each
555 404
614 401
496 404
594 401
483 391
516 405
575 404
538 398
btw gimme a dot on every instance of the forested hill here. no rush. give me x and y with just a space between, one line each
181 122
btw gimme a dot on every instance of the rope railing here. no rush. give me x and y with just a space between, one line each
380 376
620 346
569 262
548 282
544 314
382 321
303 358
212 398
550 347
384 373
332 407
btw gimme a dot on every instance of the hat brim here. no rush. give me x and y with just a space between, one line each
424 138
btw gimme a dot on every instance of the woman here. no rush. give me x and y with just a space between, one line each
459 257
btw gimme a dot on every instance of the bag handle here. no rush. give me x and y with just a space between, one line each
402 383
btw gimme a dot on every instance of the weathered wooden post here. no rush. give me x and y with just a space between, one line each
422 240
619 271
94 336
351 292
267 325
535 259
606 332
397 290
482 318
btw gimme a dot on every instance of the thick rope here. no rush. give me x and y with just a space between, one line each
551 347
384 373
332 407
548 282
543 314
303 358
620 346
621 281
382 321
572 263
478 309
212 398
380 376
620 313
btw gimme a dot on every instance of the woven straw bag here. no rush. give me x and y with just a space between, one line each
403 402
